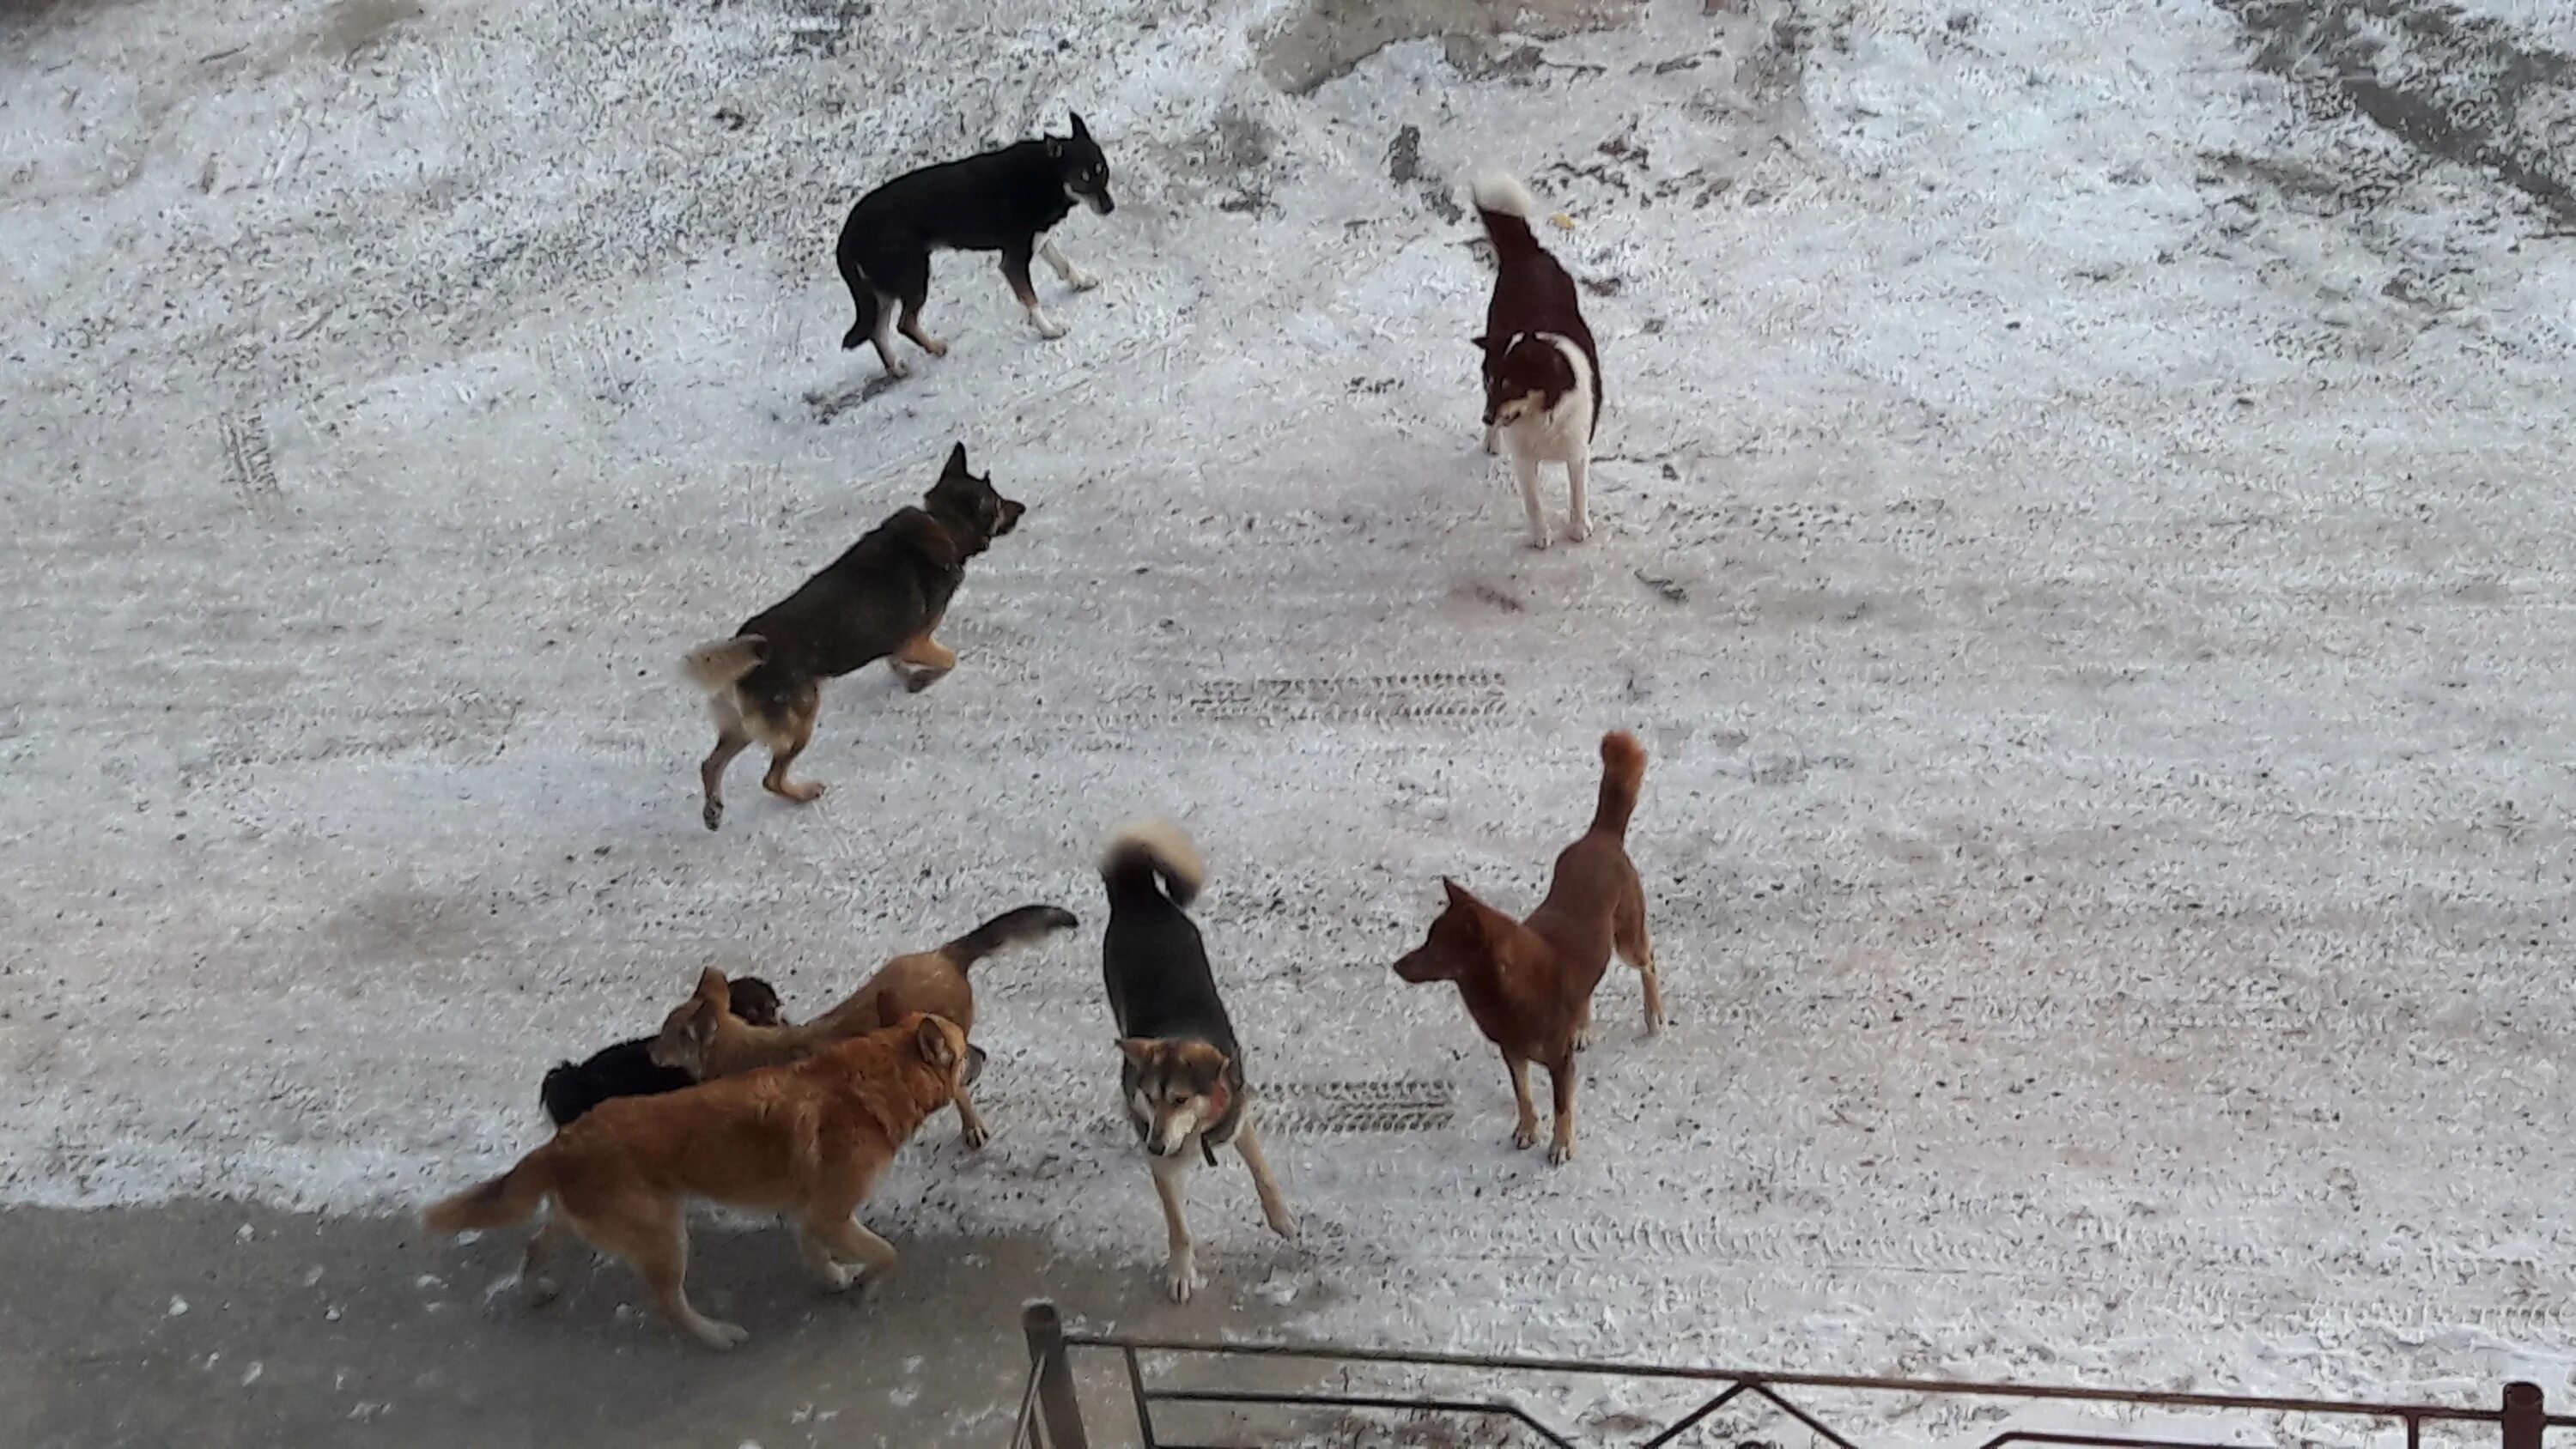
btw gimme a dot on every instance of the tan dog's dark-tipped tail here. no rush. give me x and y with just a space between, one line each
719 665
1011 928
1623 772
504 1200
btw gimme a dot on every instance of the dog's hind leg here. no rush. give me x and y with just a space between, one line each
1274 1203
1578 475
839 1236
1560 1080
657 1244
1015 270
1071 275
1525 1126
800 725
911 325
1171 1179
533 1282
731 740
1628 935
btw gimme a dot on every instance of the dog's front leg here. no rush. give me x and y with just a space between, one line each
1171 1177
1015 270
1071 275
922 662
1525 466
1274 1203
1493 440
973 1134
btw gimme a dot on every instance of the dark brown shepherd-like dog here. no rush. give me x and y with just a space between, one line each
880 600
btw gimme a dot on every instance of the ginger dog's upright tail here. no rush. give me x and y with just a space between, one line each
1623 772
504 1200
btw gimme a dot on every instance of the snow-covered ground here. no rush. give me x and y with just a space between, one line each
2086 540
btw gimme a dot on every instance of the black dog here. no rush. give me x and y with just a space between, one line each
626 1069
880 600
1182 1079
1001 201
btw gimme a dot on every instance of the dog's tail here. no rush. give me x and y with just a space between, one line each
1148 849
1506 206
565 1094
719 666
1011 928
498 1203
862 291
1623 771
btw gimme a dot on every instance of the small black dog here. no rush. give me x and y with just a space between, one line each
627 1069
879 600
1001 201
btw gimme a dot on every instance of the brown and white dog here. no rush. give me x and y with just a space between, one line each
807 1142
1528 984
1542 371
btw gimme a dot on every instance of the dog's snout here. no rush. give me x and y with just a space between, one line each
1101 202
974 1064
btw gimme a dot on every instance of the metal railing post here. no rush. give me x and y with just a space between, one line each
1059 1412
2526 1413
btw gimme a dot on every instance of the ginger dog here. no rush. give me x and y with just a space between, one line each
1528 984
707 1038
807 1141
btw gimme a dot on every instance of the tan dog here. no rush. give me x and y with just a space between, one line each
706 1038
1528 984
807 1141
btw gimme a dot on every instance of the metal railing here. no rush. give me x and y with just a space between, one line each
1050 1413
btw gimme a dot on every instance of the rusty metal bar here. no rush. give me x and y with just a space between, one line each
1687 1421
1144 1405
1944 1387
2525 1415
1059 1409
1814 1425
1280 1399
2094 1441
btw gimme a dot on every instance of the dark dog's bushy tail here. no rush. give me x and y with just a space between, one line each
719 665
1148 849
1506 206
1011 928
566 1094
1623 772
498 1203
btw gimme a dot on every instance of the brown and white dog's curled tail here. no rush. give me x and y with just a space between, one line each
504 1200
1506 207
1016 927
1623 772
718 666
1151 848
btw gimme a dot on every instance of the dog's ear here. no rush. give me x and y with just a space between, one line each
931 1040
956 467
700 1028
1484 344
1081 132
1138 1050
712 986
1463 905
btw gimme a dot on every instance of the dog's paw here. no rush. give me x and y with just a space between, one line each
1050 329
1080 280
1282 1222
1493 442
1560 1152
1539 539
921 679
975 1138
713 814
1577 529
1583 1037
840 1277
717 1334
898 370
1525 1137
805 793
936 347
1181 1278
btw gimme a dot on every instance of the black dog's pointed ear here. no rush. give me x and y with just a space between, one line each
956 462
1055 146
1483 342
1081 132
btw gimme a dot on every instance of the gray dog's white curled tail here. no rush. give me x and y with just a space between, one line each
722 664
